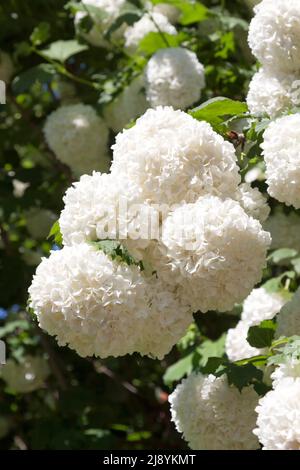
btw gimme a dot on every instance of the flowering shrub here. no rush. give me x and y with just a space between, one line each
149 252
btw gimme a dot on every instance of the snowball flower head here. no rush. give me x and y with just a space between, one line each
173 157
25 376
290 368
252 201
281 150
272 94
284 229
108 12
237 346
274 35
259 305
278 419
127 106
213 415
104 308
6 67
174 77
78 137
147 24
102 206
288 320
215 251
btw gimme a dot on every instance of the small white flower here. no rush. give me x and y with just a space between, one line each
212 415
174 77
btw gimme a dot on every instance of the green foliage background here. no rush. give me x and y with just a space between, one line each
90 403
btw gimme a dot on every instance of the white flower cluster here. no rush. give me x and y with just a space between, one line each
281 151
25 376
102 13
101 307
259 305
278 421
284 229
207 253
271 94
78 137
149 23
174 77
6 67
212 256
274 36
213 415
173 157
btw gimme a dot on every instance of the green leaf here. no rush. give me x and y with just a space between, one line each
42 73
242 376
213 365
216 110
282 254
116 251
178 370
262 335
191 11
62 50
155 41
40 34
55 234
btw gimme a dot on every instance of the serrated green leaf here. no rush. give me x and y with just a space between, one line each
242 376
62 50
212 365
216 110
262 335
